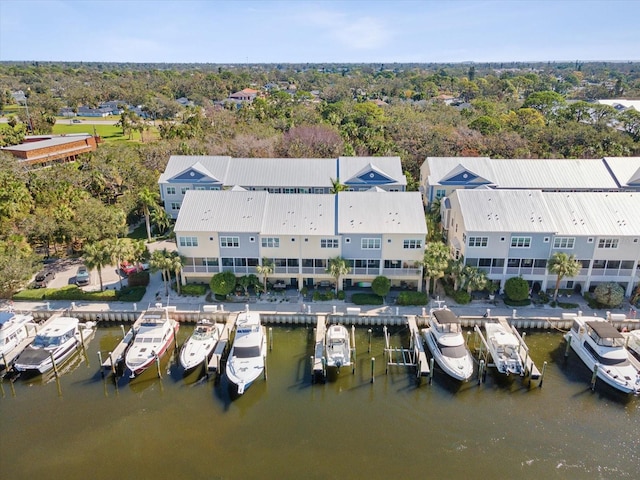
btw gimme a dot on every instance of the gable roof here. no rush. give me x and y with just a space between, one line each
213 166
350 168
626 170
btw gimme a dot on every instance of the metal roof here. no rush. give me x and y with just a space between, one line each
381 212
504 211
214 166
625 169
595 213
279 172
299 214
391 167
47 141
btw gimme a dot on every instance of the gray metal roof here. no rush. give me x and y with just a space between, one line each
547 174
221 211
381 212
45 141
215 166
389 166
625 169
504 211
300 214
595 213
278 172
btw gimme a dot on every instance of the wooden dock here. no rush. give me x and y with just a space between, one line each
116 356
318 362
414 356
215 362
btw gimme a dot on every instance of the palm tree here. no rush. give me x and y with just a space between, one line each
456 270
436 261
176 262
476 279
147 200
563 265
97 255
337 186
160 262
120 249
265 269
338 266
161 219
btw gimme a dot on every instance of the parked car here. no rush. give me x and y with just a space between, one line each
75 120
129 268
43 278
82 276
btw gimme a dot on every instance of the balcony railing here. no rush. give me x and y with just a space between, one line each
200 269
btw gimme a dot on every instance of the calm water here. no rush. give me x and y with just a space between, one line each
84 427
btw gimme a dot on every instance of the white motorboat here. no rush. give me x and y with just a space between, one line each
199 345
57 340
504 347
633 343
248 353
152 339
337 347
14 329
447 345
598 342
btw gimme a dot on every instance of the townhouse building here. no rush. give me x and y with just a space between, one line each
276 175
377 232
509 233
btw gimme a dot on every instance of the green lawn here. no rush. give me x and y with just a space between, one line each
107 132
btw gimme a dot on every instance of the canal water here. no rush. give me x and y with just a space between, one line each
86 427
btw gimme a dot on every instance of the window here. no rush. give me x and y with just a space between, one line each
626 264
520 242
288 190
564 242
540 263
484 262
608 243
188 241
599 263
513 262
440 192
171 190
201 188
230 242
175 206
370 243
328 243
498 262
392 264
412 244
184 190
478 241
270 242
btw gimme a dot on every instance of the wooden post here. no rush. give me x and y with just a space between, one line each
480 371
264 359
4 362
100 360
270 338
373 367
124 334
113 367
158 366
53 362
430 370
353 349
313 372
566 350
81 338
594 377
544 367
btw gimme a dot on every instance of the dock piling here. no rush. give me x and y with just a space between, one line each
113 367
373 367
544 367
270 338
481 371
53 362
369 332
594 377
566 350
264 359
430 370
158 366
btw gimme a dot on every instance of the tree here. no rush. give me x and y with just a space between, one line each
120 249
247 281
223 283
265 269
516 289
476 279
435 262
148 200
16 265
337 186
160 219
381 286
609 294
176 261
338 267
97 255
562 265
456 270
546 102
160 261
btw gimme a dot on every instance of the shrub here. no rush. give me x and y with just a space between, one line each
412 298
131 294
381 286
609 294
568 305
341 295
517 303
323 296
223 283
138 279
543 296
461 297
366 299
193 290
516 289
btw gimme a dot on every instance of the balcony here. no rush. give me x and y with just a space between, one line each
200 269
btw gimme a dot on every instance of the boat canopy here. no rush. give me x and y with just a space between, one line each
445 316
604 329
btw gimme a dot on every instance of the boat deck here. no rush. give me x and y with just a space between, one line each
32 329
117 354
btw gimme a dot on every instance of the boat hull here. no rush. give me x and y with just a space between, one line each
38 360
460 369
141 364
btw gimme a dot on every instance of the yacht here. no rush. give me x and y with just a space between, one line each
337 347
152 339
633 343
447 345
248 353
58 340
14 329
598 342
504 347
199 345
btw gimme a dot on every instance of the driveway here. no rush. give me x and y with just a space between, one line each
65 272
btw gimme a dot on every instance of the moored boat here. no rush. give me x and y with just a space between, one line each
447 345
599 344
152 339
248 353
14 329
199 345
633 343
55 342
504 347
337 347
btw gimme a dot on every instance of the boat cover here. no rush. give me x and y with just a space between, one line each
604 329
445 316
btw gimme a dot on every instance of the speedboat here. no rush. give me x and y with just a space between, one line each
14 329
151 341
446 343
199 345
248 352
55 342
598 343
633 343
337 346
504 347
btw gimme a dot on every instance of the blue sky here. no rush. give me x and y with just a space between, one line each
319 31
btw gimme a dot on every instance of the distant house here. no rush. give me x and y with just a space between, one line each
93 112
621 104
42 150
185 102
19 96
114 106
245 95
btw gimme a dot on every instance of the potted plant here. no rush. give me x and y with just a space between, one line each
491 288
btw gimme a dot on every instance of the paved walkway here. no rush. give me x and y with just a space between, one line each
294 303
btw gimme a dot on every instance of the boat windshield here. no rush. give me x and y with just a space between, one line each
457 351
618 362
44 341
246 352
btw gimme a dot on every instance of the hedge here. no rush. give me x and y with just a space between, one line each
516 303
412 298
366 299
193 290
72 292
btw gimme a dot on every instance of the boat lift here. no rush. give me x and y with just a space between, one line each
414 356
318 359
481 346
